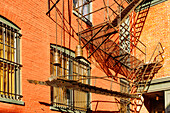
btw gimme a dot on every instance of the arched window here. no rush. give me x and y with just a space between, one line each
10 86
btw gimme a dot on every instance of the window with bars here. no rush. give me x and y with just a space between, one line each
10 86
72 69
124 35
124 102
81 8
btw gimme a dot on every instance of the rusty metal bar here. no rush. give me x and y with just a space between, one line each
99 46
93 36
52 7
49 6
133 35
95 11
118 4
159 53
133 45
56 29
78 24
109 54
113 10
150 75
71 84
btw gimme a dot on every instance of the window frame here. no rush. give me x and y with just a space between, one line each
10 42
88 20
71 59
147 4
124 89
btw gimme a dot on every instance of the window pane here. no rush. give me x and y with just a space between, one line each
1 77
9 68
1 43
82 9
63 97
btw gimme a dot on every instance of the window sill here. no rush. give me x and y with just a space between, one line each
62 109
11 101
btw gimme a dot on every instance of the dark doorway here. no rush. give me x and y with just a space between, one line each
154 102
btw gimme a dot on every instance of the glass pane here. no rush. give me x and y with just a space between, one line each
1 43
5 85
12 54
6 52
1 50
1 38
83 9
12 39
1 77
51 63
12 80
8 37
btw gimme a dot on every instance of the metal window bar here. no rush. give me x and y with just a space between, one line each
8 75
67 67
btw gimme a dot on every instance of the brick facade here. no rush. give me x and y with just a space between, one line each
38 31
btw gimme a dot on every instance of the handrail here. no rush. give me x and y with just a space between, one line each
101 101
95 77
160 53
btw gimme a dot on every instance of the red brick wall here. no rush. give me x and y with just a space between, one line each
108 104
156 29
38 31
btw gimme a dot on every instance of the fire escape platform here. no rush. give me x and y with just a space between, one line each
108 53
155 66
114 57
111 26
72 84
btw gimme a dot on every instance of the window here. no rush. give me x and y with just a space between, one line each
80 10
124 35
124 88
149 3
72 69
9 61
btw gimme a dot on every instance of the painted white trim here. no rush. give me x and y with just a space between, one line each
160 84
167 101
11 101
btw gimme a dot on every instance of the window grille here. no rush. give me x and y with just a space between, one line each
72 69
10 86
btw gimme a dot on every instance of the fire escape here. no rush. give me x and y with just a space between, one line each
116 47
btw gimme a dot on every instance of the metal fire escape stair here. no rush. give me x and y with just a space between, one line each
139 22
111 56
98 36
109 30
